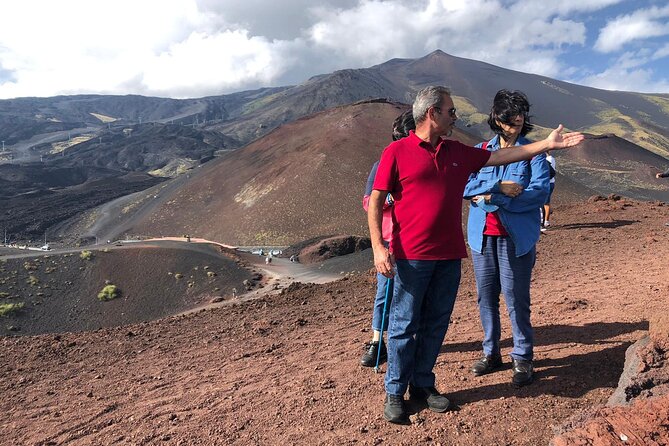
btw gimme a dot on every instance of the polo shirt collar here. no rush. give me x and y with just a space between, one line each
424 144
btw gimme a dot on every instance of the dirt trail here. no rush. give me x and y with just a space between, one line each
283 369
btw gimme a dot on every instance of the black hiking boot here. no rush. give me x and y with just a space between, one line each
369 357
436 402
523 372
486 365
394 410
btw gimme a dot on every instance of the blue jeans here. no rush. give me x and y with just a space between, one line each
420 312
379 300
497 269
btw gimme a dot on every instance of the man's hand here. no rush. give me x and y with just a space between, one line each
384 262
556 140
510 188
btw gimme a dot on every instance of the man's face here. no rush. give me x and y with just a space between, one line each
445 116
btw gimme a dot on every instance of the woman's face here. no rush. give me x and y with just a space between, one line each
513 128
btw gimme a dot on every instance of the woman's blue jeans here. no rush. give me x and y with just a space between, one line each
379 300
497 269
420 312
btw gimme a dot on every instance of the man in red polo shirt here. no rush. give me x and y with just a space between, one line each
427 176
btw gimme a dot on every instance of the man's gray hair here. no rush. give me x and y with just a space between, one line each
428 97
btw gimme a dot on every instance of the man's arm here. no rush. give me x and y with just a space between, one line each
556 140
382 258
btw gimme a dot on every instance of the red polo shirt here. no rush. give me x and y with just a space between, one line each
427 185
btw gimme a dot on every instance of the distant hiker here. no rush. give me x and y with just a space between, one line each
403 123
545 222
268 260
234 293
502 231
292 258
426 176
664 174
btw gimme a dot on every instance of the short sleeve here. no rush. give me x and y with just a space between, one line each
477 157
370 179
386 173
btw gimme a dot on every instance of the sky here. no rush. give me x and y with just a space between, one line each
196 48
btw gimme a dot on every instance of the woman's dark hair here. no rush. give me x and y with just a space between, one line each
403 123
506 106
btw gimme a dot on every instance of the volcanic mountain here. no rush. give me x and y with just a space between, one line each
302 180
245 116
111 138
306 179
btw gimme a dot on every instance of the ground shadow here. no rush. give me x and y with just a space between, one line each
572 377
593 333
599 225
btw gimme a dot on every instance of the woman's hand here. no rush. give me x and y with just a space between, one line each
510 188
558 140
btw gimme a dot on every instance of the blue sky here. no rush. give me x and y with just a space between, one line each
194 48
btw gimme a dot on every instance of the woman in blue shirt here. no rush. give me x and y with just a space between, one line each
502 231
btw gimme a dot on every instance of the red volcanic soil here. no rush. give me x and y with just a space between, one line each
283 369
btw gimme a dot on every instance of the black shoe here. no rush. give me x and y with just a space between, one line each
486 364
369 357
523 372
394 410
436 402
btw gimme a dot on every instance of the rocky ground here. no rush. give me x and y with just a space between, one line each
283 368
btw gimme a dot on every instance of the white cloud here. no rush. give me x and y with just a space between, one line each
639 25
662 52
642 80
187 48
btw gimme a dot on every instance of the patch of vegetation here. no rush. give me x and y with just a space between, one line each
468 112
85 255
6 309
109 292
29 266
103 118
32 280
178 276
3 295
211 274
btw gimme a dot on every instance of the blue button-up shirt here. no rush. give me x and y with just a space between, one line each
521 215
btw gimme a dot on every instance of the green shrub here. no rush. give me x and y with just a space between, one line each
85 255
109 292
6 309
